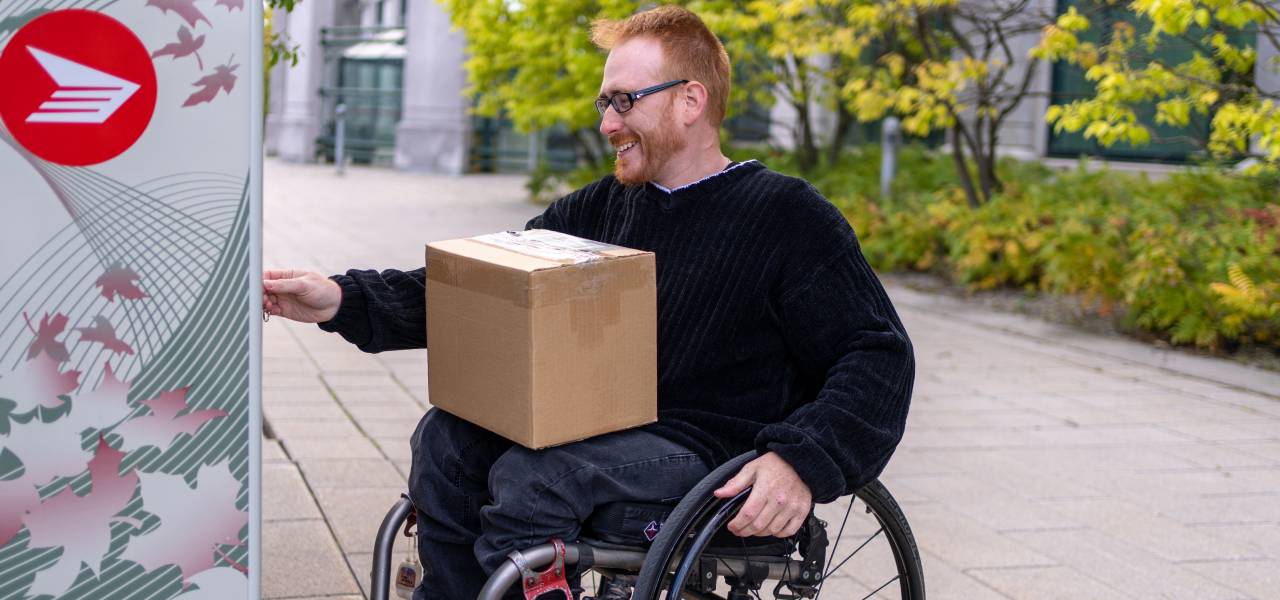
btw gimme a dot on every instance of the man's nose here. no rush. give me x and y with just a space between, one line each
610 122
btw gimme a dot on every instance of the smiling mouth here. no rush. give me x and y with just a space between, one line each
623 149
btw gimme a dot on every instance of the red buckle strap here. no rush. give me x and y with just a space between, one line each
551 579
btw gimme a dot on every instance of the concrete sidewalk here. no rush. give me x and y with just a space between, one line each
1038 462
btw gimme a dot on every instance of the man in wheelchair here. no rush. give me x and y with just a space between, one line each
773 332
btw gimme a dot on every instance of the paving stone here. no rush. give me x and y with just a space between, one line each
403 411
395 447
1127 568
1262 536
1260 579
316 395
285 495
1044 583
1269 450
378 379
965 543
1263 429
272 452
942 580
378 428
306 412
392 394
292 429
300 559
304 448
1160 535
346 473
289 365
347 360
293 381
995 509
356 513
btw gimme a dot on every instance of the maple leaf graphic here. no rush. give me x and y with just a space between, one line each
37 382
47 450
102 332
80 525
193 522
185 9
120 281
45 342
106 406
218 583
160 428
185 46
17 496
222 78
230 4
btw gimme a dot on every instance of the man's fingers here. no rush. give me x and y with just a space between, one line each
769 519
285 286
792 527
740 482
744 523
281 274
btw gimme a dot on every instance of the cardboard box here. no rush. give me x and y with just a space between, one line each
542 337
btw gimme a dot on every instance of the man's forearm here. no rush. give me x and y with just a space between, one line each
381 310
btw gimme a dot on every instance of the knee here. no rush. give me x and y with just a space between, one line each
451 451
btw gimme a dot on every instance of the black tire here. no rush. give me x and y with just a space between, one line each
688 527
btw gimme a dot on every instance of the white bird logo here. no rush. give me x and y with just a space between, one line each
84 95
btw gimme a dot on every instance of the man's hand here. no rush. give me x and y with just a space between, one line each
300 295
778 503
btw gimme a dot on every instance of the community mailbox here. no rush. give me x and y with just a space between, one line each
129 276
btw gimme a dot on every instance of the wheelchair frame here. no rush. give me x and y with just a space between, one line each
698 511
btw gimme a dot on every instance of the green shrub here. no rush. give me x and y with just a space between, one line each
1193 258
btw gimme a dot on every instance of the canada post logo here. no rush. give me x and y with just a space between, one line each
79 87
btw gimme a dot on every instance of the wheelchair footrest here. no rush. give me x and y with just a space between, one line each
551 579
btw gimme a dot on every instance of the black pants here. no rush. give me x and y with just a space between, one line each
479 496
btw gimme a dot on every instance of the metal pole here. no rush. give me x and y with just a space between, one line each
890 140
340 137
534 147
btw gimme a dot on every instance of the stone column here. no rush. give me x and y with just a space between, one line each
390 14
1266 71
294 128
435 130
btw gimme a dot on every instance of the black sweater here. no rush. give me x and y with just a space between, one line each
773 332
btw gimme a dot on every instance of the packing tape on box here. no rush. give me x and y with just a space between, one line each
551 245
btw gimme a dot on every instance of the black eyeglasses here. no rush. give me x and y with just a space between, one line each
623 101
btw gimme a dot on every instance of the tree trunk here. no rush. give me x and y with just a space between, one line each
962 167
844 122
806 149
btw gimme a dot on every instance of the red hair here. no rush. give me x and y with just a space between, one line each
690 50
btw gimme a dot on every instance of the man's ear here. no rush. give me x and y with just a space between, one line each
694 102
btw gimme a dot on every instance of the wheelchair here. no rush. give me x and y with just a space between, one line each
860 546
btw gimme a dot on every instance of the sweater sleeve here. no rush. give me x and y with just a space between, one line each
841 327
381 310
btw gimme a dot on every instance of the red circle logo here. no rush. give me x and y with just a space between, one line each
79 87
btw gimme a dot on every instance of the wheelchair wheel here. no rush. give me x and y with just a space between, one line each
859 546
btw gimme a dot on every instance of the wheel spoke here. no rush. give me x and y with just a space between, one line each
852 554
835 545
882 586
